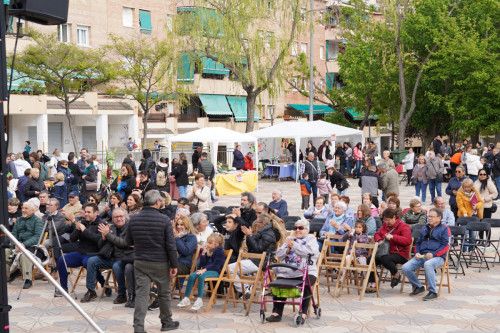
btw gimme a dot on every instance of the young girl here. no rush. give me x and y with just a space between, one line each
358 234
368 200
60 189
211 263
324 187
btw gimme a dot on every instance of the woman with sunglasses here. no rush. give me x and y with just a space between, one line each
488 192
295 252
114 202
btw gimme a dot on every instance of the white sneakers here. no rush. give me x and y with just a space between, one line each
186 303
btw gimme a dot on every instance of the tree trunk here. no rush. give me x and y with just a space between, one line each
251 98
367 113
145 128
475 138
71 122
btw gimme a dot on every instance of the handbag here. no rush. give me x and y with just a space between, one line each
493 208
439 175
414 181
383 248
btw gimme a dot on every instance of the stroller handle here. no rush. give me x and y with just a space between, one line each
284 265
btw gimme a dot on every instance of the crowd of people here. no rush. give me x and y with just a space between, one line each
145 239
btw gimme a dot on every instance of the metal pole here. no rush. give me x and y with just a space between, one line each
311 63
31 258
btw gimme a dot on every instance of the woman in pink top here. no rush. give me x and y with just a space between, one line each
358 154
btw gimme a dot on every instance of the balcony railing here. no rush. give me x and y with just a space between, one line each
156 117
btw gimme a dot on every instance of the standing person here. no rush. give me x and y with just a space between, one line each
473 163
456 159
388 161
199 193
155 254
195 159
358 154
311 168
291 153
130 161
348 155
496 167
338 180
445 150
179 171
89 179
21 164
238 158
84 155
305 191
148 163
125 183
75 171
249 161
468 206
408 163
435 170
310 148
54 162
340 157
488 192
324 150
11 167
324 187
390 179
161 179
452 189
34 185
207 168
27 147
130 144
419 173
370 182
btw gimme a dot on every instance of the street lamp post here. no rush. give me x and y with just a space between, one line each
311 63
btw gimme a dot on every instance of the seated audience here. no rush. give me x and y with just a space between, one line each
278 205
199 193
337 223
319 210
186 242
53 215
115 201
431 248
73 208
125 182
201 228
145 183
448 217
133 204
14 209
367 199
34 186
415 215
233 236
364 214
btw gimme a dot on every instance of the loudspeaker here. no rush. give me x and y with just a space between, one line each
47 12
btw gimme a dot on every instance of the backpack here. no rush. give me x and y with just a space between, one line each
161 178
44 171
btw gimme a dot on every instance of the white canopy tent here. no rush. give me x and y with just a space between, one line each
214 136
311 129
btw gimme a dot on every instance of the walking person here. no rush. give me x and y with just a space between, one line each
435 169
311 168
408 163
419 174
179 171
358 154
348 155
155 260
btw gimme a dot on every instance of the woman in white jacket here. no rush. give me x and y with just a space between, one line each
199 193
21 164
54 161
488 192
473 164
408 163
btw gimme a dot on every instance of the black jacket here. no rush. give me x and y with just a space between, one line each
75 171
148 164
179 171
116 238
132 165
249 217
130 186
233 239
311 168
147 186
263 241
33 185
88 240
195 158
338 180
496 165
152 236
59 222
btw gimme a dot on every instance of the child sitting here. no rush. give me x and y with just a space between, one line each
358 234
305 191
233 236
211 264
324 187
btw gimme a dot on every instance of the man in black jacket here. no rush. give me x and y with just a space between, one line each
231 230
155 254
245 211
370 182
311 168
130 161
75 171
87 235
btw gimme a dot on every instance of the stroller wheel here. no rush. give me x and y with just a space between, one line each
297 320
318 312
262 316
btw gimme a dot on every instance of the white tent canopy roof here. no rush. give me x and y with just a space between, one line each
213 134
310 129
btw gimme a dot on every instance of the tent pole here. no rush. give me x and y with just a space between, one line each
169 156
297 163
256 143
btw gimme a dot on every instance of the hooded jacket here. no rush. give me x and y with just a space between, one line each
434 240
88 239
263 241
27 230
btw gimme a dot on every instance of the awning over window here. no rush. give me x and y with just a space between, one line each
239 106
212 67
215 105
18 81
145 21
357 116
317 109
185 71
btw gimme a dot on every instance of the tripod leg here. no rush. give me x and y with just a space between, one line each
64 261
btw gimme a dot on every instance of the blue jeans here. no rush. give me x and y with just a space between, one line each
358 168
201 282
348 165
74 188
434 186
183 191
471 239
73 259
123 272
314 190
497 180
94 264
429 267
343 192
421 187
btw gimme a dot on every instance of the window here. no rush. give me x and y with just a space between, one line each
170 23
295 48
170 108
303 13
269 38
332 51
295 83
63 31
128 17
322 52
321 18
82 35
270 111
321 85
303 48
145 21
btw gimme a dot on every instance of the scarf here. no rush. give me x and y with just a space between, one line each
339 220
88 168
484 183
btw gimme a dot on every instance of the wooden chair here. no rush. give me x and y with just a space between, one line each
109 273
33 267
360 273
445 270
254 279
383 278
176 282
332 261
80 274
224 274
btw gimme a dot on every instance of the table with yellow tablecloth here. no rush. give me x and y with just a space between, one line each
226 184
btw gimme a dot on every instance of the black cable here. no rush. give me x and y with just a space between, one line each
7 123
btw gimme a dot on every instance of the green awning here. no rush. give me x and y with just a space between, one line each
215 105
239 106
145 21
317 109
212 67
185 70
6 2
358 116
330 80
18 81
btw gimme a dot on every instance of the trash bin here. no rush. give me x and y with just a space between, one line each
398 155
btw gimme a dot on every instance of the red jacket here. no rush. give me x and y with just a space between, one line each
401 242
248 163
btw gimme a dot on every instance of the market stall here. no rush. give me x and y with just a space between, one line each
301 131
227 181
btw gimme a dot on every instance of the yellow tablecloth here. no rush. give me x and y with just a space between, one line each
228 185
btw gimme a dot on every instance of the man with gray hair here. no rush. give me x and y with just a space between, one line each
27 230
370 182
448 217
279 205
155 256
53 215
246 211
389 179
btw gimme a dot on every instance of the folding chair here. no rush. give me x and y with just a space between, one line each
109 272
494 223
176 282
383 278
224 274
78 276
360 279
315 225
220 209
445 271
464 220
458 236
332 260
478 246
253 279
401 171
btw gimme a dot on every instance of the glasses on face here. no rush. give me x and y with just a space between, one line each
482 174
299 228
417 206
433 216
458 171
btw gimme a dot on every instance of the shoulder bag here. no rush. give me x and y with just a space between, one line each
439 175
383 248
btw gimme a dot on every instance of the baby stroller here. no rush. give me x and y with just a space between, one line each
288 288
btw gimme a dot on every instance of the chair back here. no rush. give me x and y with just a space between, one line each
464 220
494 223
196 254
289 225
457 230
290 219
316 224
478 226
417 230
220 209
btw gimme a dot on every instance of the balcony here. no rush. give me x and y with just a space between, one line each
156 117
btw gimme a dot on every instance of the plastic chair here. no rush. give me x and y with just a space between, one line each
220 209
316 224
457 238
464 220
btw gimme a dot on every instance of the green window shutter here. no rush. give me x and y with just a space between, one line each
330 78
327 47
145 21
212 67
185 71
